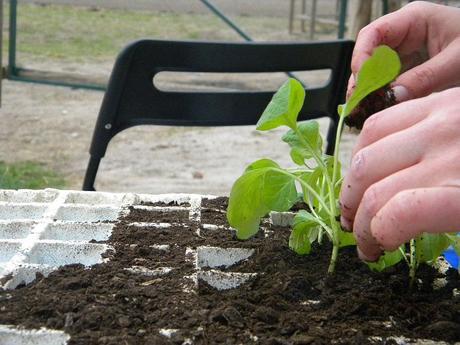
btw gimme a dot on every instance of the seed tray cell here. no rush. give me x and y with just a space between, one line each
12 336
96 198
24 274
54 253
65 231
14 211
83 213
28 196
211 257
8 248
15 229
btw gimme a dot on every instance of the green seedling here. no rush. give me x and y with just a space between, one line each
424 249
265 186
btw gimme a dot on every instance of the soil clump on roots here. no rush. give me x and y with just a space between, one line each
376 101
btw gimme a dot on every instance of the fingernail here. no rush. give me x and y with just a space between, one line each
401 93
346 223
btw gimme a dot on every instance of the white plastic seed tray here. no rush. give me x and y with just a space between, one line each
43 230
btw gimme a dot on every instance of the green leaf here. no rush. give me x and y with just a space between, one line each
387 260
276 184
304 142
262 188
379 70
299 241
304 232
279 192
346 239
304 217
313 179
297 156
428 247
284 107
260 164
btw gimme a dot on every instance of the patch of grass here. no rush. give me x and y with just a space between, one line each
28 175
84 33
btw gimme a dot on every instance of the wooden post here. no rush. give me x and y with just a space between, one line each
394 5
313 19
2 74
361 13
304 12
291 16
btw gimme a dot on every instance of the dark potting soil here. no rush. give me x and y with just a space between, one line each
291 301
373 103
161 203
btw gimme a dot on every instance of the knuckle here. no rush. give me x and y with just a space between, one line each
370 201
425 79
357 167
363 31
417 5
444 119
399 211
369 130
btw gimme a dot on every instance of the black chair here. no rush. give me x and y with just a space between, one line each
132 99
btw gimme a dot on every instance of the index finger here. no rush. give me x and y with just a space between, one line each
404 30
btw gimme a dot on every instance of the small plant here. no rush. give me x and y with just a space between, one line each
425 248
265 186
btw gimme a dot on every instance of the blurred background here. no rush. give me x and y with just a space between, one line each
57 57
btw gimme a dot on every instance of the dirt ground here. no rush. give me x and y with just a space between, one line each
54 125
230 7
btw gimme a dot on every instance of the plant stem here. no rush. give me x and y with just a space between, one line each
317 158
335 253
308 187
403 252
331 188
412 263
338 136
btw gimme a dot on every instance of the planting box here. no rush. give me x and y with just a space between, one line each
139 268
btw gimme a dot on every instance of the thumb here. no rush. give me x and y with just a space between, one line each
439 73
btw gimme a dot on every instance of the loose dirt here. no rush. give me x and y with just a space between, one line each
291 301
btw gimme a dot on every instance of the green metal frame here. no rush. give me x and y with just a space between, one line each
20 74
1 51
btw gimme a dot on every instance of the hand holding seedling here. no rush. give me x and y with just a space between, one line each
404 177
427 39
393 142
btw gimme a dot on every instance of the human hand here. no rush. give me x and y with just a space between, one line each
404 177
427 39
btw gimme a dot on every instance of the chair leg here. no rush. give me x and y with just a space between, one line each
331 134
91 172
291 16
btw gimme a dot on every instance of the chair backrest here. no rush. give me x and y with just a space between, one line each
132 98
